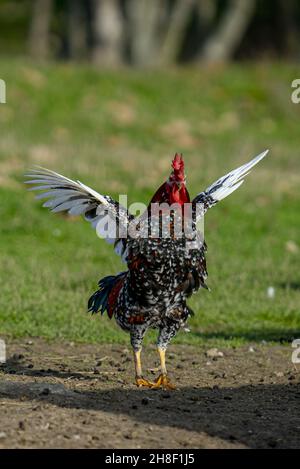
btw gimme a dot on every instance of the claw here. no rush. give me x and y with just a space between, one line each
163 381
142 382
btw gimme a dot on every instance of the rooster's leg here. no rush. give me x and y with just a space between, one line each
139 380
165 335
137 335
163 381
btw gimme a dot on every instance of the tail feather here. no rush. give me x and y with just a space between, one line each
100 300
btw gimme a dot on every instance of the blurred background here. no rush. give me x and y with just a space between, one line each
106 91
151 32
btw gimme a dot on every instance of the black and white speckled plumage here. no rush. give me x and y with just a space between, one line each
162 272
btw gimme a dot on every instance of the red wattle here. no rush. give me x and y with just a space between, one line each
169 193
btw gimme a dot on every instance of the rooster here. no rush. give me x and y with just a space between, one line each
163 270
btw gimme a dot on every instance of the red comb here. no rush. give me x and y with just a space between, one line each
178 166
178 163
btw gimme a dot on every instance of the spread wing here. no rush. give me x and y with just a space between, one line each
107 216
225 185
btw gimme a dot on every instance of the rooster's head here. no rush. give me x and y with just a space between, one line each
174 189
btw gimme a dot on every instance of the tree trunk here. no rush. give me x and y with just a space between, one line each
108 33
222 44
39 35
175 33
207 11
144 21
288 22
77 33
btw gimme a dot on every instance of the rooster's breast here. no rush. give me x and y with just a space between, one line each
163 272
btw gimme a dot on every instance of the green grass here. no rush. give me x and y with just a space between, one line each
117 132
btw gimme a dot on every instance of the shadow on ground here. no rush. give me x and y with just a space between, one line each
16 368
254 335
289 285
258 416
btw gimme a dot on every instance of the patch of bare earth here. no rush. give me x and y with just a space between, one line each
66 395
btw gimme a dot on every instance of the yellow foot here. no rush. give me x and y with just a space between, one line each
142 382
163 381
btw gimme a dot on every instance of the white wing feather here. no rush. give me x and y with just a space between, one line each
74 197
227 184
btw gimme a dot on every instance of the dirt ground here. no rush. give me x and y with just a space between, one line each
64 395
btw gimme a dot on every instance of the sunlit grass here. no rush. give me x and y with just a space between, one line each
117 132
